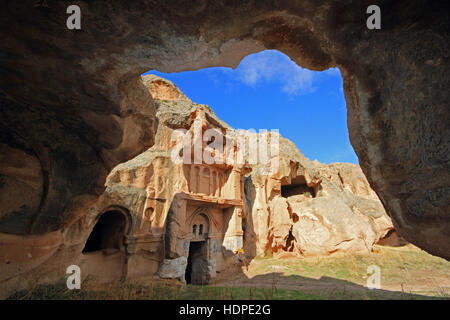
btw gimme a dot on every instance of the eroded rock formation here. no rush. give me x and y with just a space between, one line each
187 220
299 206
309 208
72 105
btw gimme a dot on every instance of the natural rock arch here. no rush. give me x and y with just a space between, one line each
79 123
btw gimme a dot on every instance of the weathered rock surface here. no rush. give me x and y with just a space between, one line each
299 206
73 103
173 268
303 207
309 208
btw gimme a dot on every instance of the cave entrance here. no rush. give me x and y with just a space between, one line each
197 266
108 233
104 255
298 187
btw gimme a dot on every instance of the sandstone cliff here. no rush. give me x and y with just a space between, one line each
62 132
313 209
305 207
73 127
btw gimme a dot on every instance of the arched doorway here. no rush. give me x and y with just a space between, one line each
197 267
104 254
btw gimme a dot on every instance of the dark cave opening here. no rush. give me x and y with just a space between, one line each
297 189
196 270
297 186
108 233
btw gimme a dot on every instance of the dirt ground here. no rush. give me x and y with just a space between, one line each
405 272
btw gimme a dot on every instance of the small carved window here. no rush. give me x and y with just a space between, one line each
200 229
194 229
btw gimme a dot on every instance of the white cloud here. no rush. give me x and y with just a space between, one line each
299 82
274 66
257 67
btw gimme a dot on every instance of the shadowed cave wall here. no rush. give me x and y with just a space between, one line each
72 105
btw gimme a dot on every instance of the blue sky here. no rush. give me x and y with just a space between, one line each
269 91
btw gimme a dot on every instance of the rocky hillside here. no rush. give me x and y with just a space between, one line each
298 207
304 207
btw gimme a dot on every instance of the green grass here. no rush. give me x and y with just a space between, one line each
395 264
129 291
337 277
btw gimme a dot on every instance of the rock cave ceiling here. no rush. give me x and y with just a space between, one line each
73 106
